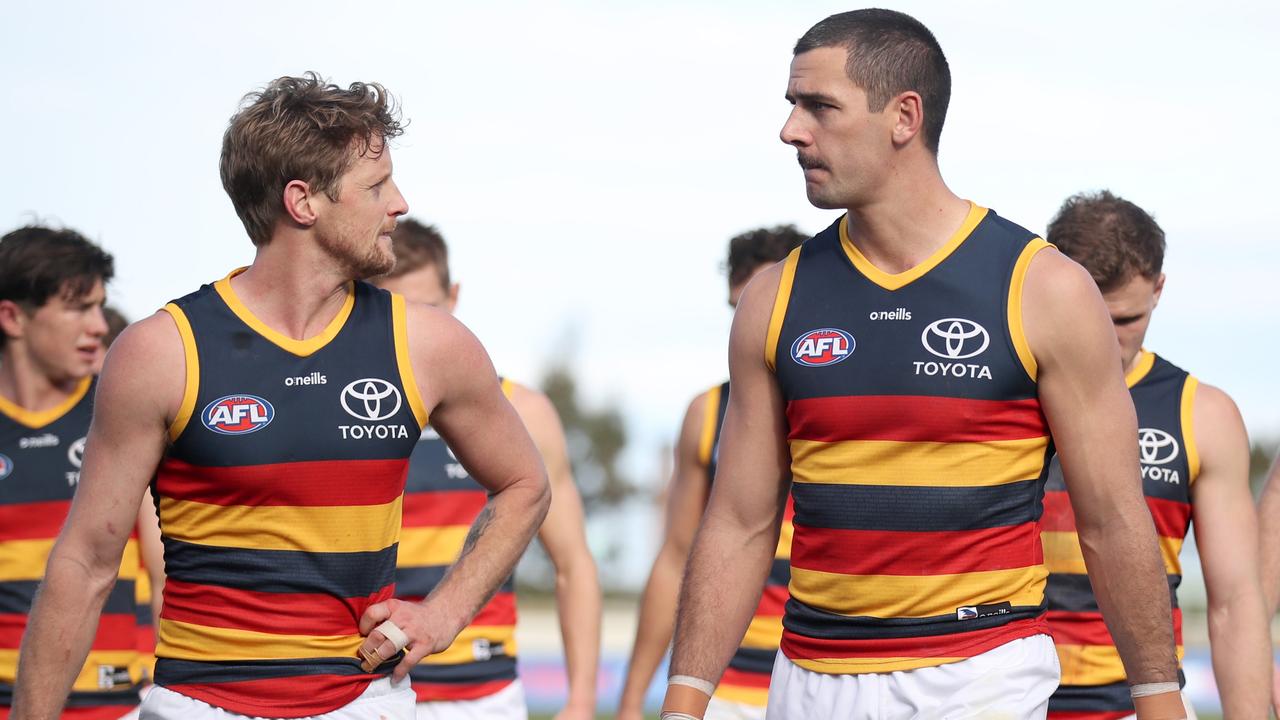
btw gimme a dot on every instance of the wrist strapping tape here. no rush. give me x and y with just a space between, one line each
698 684
1147 689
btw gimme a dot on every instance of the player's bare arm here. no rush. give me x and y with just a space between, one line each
564 535
460 388
734 547
138 395
151 549
1269 532
1226 534
1092 419
686 501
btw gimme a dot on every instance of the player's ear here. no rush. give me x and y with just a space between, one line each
298 203
12 319
1159 288
452 302
908 114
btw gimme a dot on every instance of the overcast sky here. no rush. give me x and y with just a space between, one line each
588 161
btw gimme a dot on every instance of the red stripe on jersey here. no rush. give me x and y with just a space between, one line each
100 712
884 552
33 521
279 613
286 697
428 692
115 631
962 644
908 418
1088 628
446 507
773 601
1058 515
501 610
741 678
1171 517
319 483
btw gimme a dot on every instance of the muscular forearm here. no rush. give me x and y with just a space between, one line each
497 539
721 588
1269 531
1241 649
63 622
578 606
654 625
1129 582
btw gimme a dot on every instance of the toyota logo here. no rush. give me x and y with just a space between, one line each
371 399
1156 447
75 453
955 338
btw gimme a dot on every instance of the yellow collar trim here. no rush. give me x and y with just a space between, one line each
894 281
301 348
1146 359
38 419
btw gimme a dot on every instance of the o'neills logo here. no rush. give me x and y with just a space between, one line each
819 348
315 378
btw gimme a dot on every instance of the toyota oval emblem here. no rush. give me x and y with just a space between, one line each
1156 447
955 338
371 399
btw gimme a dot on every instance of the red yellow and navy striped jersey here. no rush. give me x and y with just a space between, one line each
39 470
746 680
1093 682
441 501
918 451
146 623
280 501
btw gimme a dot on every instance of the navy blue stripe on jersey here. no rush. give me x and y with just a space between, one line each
812 622
343 575
502 667
918 509
418 582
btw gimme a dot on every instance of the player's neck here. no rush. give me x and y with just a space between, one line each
25 385
909 220
293 291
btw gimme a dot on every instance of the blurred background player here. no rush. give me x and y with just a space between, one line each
743 689
1195 467
52 286
1269 533
476 676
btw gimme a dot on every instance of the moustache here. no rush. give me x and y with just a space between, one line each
810 163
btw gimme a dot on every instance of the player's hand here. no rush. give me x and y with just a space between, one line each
414 620
1164 706
571 712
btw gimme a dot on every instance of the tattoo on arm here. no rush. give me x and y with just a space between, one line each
478 528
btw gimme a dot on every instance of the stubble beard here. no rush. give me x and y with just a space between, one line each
360 260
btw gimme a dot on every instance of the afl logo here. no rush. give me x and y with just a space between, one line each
6 466
818 348
75 453
237 414
1156 447
955 338
371 399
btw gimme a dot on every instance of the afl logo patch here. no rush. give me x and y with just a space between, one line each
6 466
818 348
955 338
237 414
1156 447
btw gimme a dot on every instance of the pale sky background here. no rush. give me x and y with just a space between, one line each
588 161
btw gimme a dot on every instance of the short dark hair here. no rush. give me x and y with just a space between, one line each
889 52
38 263
1111 237
116 323
418 245
762 246
299 128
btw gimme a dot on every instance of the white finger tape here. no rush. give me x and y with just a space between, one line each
392 632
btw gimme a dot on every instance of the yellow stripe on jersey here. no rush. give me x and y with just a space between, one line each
915 596
917 464
783 551
186 641
853 666
26 559
192 383
896 281
355 528
508 387
1093 664
1014 306
1187 410
462 650
400 332
34 419
1062 553
710 416
756 697
426 546
301 348
780 302
764 633
1146 360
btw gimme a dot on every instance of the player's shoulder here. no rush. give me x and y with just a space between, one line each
531 404
1053 276
1213 406
158 336
435 330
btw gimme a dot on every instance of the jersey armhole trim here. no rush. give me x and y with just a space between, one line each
1014 306
780 302
1188 426
508 387
400 330
191 384
708 437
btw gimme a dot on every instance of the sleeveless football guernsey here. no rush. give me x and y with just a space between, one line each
441 501
746 680
280 501
918 451
39 469
1093 685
